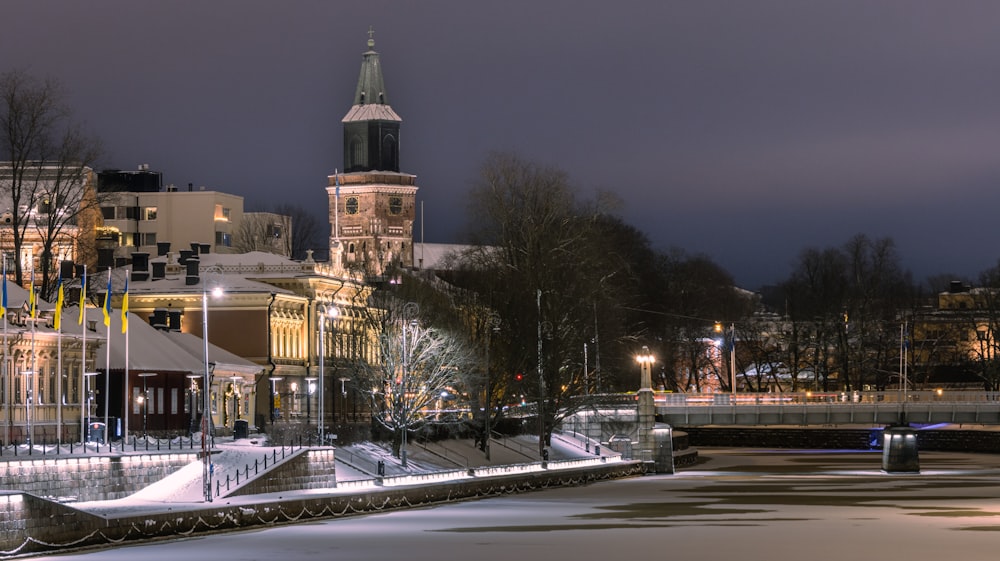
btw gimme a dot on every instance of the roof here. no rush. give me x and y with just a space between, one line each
148 347
225 361
370 100
436 255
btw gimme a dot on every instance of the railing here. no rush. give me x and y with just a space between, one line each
819 398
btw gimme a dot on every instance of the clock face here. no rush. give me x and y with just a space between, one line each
395 205
352 205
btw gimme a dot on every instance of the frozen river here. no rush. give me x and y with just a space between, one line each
750 505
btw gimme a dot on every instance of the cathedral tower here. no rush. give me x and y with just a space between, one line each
372 204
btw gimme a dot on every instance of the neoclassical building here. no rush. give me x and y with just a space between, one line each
267 309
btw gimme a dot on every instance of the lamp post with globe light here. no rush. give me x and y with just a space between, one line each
206 415
329 312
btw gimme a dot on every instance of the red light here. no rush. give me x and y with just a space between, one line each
519 377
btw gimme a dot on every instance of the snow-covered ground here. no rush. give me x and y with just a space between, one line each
750 505
355 463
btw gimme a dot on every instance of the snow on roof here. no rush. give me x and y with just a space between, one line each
177 284
435 255
148 348
225 361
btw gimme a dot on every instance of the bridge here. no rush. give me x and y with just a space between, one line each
828 408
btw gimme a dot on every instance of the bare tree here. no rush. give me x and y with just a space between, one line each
264 231
557 271
306 232
412 366
47 180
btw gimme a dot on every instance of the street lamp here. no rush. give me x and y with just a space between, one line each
645 360
192 401
328 312
90 393
274 393
732 353
310 390
206 459
343 397
237 382
28 383
144 400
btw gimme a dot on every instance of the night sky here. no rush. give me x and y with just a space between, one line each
744 130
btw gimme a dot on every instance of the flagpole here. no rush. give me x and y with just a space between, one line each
83 357
6 378
126 399
107 361
32 386
59 369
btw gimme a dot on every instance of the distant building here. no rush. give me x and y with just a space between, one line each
144 215
56 206
269 313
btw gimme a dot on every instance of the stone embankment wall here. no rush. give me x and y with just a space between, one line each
47 526
956 440
90 478
310 469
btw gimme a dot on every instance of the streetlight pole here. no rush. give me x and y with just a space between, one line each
732 357
409 311
206 414
494 326
145 400
330 312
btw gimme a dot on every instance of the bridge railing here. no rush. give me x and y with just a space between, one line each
821 398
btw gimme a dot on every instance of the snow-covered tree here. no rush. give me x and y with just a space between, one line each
414 364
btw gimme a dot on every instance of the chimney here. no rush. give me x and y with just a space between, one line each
186 256
159 270
195 248
190 187
192 271
67 269
205 248
159 318
140 267
162 248
105 258
174 320
121 262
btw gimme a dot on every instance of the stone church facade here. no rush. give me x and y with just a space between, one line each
372 203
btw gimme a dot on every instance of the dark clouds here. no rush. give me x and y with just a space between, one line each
744 130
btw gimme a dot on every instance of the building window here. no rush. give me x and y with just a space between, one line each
223 239
147 239
395 205
223 214
108 212
274 231
149 213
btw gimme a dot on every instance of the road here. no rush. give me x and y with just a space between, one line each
738 504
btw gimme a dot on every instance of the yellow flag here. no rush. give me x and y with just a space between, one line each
32 307
107 303
83 296
125 307
57 319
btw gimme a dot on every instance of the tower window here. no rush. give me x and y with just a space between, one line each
395 205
